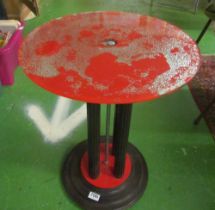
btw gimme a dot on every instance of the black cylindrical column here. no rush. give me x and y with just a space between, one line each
107 137
93 124
120 136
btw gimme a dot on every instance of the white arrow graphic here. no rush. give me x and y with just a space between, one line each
60 124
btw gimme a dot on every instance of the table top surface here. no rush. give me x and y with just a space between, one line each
109 57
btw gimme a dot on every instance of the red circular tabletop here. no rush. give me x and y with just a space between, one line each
109 57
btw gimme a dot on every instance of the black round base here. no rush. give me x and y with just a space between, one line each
90 197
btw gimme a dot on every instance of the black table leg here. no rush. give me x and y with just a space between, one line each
120 136
93 122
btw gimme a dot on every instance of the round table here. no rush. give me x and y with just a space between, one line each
108 58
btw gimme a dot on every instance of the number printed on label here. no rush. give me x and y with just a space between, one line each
94 196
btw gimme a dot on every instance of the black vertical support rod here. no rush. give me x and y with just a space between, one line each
93 123
120 136
107 137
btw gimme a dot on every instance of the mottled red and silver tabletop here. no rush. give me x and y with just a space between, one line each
109 57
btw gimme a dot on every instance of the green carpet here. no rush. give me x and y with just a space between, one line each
180 156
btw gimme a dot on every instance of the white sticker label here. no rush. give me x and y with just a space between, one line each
94 196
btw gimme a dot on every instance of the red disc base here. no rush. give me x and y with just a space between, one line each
79 186
106 178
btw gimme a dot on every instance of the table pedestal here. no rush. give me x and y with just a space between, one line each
95 183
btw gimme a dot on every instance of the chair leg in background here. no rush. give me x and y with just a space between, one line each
203 31
201 115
